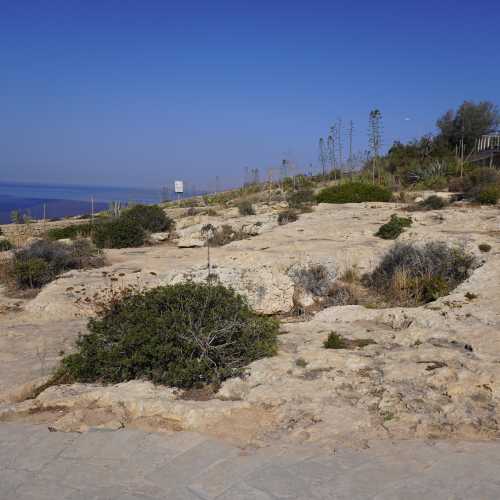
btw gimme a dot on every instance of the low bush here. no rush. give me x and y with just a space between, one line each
354 192
392 229
44 260
245 207
433 202
123 232
484 247
335 341
340 295
314 279
287 216
5 245
488 195
182 335
70 232
297 199
225 234
479 177
150 218
482 185
415 274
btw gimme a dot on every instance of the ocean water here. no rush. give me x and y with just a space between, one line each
66 200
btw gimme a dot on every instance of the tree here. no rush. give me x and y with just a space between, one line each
375 138
460 129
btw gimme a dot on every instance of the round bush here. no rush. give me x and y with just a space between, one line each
181 335
301 197
392 229
150 217
433 202
123 232
245 207
488 195
353 192
411 273
42 261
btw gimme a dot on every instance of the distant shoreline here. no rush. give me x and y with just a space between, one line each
54 209
57 200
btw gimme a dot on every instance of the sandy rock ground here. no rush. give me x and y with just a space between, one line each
433 371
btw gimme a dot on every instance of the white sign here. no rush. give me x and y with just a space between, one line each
179 186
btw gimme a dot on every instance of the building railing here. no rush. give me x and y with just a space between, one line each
488 142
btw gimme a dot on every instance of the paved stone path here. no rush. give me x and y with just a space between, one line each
135 465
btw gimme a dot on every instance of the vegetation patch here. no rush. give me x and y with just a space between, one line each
411 274
287 216
5 245
300 198
315 279
354 192
151 218
340 294
484 247
184 335
222 235
122 232
41 262
336 341
392 229
433 202
70 232
245 207
488 195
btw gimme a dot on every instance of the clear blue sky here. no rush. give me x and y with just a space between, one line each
136 93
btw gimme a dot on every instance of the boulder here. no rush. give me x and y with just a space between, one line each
159 237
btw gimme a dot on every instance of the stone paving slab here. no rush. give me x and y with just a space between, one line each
36 464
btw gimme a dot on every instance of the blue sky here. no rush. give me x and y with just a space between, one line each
137 93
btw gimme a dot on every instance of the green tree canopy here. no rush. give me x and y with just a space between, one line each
471 120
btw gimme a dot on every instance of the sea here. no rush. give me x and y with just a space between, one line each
59 200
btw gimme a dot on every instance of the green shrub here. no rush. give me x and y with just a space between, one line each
415 274
488 195
123 232
71 232
5 245
44 260
392 229
151 218
484 247
287 216
32 272
297 199
245 207
182 335
433 202
353 192
335 341
430 288
479 177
